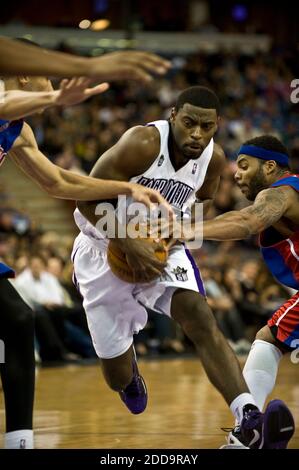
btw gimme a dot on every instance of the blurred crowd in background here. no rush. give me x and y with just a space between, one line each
255 96
254 92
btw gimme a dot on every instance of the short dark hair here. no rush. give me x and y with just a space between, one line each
200 96
269 142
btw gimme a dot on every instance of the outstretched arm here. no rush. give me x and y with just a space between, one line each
67 185
268 208
19 58
15 104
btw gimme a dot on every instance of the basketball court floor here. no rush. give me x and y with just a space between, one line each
75 409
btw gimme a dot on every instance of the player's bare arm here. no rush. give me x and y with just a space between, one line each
127 65
17 57
132 155
15 104
268 208
64 184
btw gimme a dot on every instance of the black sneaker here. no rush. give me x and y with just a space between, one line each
269 430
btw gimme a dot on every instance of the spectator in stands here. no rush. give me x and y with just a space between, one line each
43 292
225 311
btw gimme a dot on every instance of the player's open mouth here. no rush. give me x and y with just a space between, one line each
243 187
195 148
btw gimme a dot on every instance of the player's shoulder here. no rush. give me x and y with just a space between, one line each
278 195
218 154
143 134
142 139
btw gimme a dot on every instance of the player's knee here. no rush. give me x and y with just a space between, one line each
264 334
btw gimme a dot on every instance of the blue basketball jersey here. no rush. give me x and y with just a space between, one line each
282 258
9 132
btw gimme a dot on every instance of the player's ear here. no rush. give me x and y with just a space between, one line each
172 114
270 166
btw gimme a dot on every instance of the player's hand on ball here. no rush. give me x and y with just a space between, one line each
172 230
142 258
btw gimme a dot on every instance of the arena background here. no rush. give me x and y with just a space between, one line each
247 53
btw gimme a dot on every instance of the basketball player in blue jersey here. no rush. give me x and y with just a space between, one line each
16 319
178 157
264 176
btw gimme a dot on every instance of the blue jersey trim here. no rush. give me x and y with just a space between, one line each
278 268
6 271
9 134
292 181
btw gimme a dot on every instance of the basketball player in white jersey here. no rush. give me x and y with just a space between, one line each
181 160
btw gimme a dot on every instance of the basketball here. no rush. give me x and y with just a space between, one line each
119 265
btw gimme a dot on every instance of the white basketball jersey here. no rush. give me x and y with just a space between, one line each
177 187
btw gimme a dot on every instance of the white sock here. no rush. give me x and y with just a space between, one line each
260 370
22 439
239 402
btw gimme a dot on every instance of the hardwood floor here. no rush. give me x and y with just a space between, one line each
75 409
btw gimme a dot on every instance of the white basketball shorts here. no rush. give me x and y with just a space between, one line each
116 309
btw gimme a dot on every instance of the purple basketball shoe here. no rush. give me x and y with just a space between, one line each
134 395
269 430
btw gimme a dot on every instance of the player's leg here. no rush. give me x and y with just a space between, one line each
184 300
262 364
18 370
113 316
191 311
260 373
122 375
118 371
280 336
